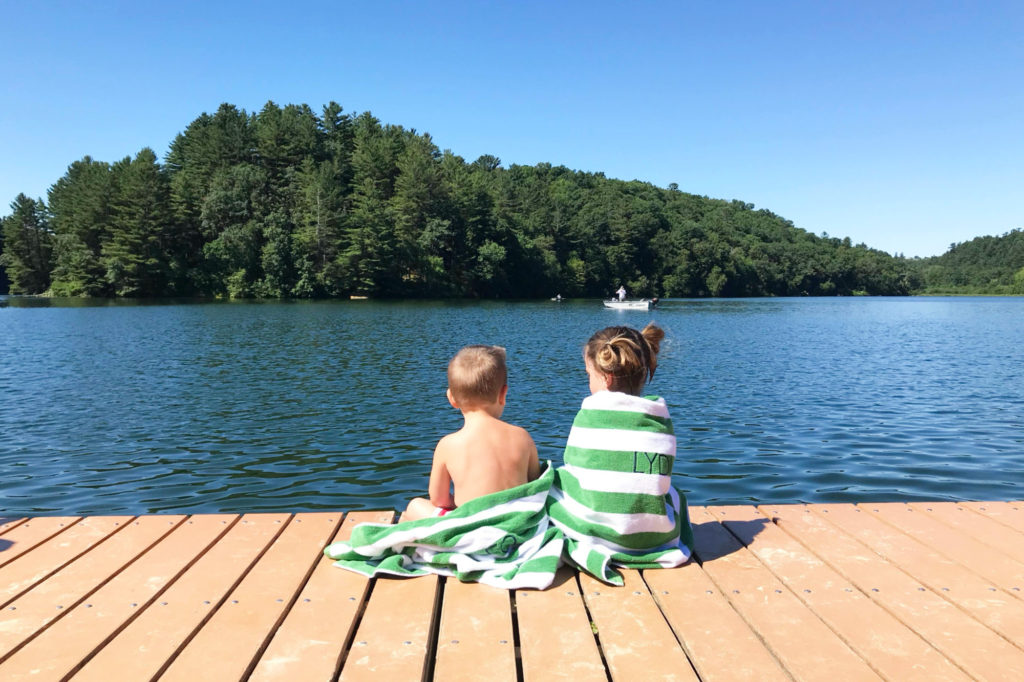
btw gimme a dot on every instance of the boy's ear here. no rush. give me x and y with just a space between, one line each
503 394
451 399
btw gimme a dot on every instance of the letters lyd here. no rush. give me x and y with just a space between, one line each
651 463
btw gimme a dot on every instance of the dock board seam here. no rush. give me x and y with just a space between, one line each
216 607
142 607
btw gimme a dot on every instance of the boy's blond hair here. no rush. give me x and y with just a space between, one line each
477 374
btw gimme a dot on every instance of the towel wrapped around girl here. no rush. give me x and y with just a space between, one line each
613 498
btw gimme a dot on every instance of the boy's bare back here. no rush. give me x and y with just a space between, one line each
485 456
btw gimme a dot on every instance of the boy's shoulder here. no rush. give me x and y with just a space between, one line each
514 429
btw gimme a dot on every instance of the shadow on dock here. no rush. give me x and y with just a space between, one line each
6 544
713 540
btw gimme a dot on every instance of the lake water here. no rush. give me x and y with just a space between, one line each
113 407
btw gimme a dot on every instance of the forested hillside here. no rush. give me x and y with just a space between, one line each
290 203
984 265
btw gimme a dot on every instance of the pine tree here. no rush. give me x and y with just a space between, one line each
135 256
81 205
28 246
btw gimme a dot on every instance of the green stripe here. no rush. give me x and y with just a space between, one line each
545 564
616 419
593 562
637 541
644 561
597 564
619 461
611 503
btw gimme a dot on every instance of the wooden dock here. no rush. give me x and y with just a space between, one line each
925 591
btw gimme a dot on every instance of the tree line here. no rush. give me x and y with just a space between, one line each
984 265
289 203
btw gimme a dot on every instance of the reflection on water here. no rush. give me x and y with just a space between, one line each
115 407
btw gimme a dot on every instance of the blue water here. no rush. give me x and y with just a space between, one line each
114 407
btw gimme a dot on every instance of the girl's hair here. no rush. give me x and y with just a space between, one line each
628 356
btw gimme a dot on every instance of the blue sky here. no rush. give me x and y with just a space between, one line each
897 124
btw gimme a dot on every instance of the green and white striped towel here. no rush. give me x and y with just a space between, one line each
613 498
503 539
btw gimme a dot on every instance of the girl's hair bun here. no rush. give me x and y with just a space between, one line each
629 356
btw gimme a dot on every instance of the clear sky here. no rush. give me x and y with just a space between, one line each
897 124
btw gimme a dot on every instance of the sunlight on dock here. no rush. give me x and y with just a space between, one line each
929 591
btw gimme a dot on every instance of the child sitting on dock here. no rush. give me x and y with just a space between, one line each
486 455
613 498
494 529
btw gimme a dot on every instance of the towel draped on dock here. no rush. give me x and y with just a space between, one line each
612 504
504 539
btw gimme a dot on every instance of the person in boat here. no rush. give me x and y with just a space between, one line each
621 293
486 455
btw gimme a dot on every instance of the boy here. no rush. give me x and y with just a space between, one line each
486 455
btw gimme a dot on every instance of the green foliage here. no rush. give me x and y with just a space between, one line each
82 207
27 246
985 265
135 255
289 203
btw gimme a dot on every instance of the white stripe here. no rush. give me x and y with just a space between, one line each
623 402
584 550
673 557
603 481
622 439
537 580
466 563
620 523
671 554
412 536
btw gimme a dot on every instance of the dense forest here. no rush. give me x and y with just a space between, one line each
289 203
984 265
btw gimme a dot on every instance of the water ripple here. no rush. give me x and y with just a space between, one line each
119 408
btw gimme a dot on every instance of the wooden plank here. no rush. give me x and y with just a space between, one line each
142 649
784 623
986 561
891 648
48 601
392 639
1009 514
979 651
718 642
228 645
58 551
937 571
61 648
1009 541
475 636
21 536
8 523
309 643
556 641
637 642
915 573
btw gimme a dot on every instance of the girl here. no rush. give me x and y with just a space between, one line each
613 498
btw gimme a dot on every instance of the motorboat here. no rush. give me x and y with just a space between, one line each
642 304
